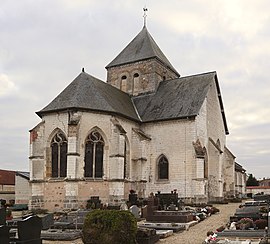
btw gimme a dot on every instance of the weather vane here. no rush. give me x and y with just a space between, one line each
145 15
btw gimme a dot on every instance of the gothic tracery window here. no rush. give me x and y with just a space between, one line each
163 168
94 150
59 155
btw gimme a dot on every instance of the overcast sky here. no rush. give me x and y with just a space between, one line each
45 43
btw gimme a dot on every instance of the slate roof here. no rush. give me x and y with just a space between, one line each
174 99
142 47
178 98
23 174
86 92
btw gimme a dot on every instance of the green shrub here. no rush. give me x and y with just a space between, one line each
109 227
39 211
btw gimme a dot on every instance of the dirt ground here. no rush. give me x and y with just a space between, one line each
195 235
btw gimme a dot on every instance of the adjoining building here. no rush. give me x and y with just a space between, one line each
22 187
240 180
146 129
7 185
254 190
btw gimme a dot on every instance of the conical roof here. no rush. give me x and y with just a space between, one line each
142 47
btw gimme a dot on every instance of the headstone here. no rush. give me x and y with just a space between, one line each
93 203
2 216
172 207
133 198
165 199
148 236
29 229
135 211
233 226
4 234
47 221
123 206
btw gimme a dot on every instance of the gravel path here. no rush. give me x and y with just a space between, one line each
195 235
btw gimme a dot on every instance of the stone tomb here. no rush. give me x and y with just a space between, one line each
72 220
151 213
252 212
167 199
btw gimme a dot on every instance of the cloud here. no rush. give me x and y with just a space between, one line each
6 85
44 45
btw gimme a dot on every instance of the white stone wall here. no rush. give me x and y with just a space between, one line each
228 173
257 189
22 190
240 183
215 131
174 140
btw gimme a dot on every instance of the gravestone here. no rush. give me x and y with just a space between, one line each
47 221
2 216
172 207
29 230
93 203
133 199
153 214
135 211
4 234
123 206
146 236
165 199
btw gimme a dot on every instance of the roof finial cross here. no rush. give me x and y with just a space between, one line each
144 16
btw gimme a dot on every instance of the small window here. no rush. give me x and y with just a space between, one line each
163 168
136 75
124 83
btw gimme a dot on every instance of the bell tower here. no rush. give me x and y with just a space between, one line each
140 66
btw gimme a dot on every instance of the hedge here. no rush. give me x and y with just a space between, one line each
109 227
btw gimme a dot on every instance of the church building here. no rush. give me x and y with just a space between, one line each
146 129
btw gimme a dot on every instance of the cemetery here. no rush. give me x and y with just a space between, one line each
251 220
146 220
156 217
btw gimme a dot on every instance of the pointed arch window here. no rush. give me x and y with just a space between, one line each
59 155
163 168
94 150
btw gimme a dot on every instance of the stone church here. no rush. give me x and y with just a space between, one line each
146 129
